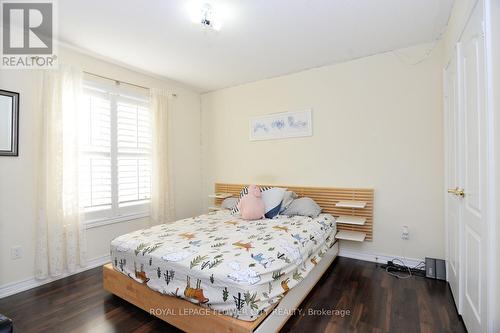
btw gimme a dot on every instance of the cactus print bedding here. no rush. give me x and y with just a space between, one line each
237 267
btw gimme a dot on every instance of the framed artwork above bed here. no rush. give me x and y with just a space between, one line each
281 125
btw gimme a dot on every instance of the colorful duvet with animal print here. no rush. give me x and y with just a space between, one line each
237 267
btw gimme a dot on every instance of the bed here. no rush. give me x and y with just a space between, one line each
229 274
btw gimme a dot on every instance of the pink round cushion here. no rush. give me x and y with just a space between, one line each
251 205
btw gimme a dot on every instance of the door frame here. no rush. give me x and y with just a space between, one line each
492 285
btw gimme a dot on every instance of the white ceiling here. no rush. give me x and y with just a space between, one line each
259 38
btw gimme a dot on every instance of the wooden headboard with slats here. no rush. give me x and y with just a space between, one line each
326 197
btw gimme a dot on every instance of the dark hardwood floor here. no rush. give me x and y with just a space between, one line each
376 302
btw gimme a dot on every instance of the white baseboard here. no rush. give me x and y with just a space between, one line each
23 285
378 258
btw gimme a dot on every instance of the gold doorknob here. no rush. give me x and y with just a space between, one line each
459 192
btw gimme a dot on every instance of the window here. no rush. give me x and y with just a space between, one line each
115 147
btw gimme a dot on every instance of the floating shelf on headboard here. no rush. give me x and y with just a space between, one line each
327 198
351 204
347 219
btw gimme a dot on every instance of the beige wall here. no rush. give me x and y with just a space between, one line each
18 175
377 123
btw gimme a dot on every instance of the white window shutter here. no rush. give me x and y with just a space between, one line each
134 152
116 151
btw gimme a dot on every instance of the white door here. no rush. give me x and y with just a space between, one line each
473 145
453 179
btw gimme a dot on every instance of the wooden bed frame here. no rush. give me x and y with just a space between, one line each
190 317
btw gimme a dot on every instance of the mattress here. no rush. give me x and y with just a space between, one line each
237 267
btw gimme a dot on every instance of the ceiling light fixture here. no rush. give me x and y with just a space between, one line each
206 16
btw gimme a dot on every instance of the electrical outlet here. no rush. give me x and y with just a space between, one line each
405 233
16 252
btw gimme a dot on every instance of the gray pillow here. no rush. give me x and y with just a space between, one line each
229 203
287 200
302 206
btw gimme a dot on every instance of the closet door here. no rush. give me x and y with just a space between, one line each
452 180
473 142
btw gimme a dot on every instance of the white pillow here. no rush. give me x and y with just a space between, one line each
272 200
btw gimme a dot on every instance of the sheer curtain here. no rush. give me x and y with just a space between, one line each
60 243
162 204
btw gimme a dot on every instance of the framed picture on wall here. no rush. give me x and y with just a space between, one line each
9 123
281 125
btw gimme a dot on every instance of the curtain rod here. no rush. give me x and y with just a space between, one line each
119 82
